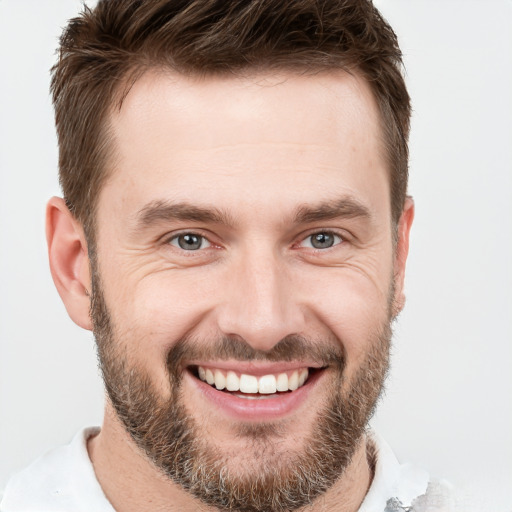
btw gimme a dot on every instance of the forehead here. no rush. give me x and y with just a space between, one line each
242 108
263 133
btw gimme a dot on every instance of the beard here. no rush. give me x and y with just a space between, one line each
177 446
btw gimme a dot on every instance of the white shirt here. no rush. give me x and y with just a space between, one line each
63 480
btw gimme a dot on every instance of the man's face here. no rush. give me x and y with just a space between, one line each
244 241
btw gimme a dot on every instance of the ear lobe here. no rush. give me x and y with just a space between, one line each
401 253
69 262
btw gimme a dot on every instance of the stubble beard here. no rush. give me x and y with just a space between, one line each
172 440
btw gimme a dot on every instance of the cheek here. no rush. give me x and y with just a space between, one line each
354 307
160 308
150 315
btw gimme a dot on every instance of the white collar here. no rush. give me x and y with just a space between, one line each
64 480
392 479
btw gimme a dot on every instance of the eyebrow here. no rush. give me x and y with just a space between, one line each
346 207
165 211
162 211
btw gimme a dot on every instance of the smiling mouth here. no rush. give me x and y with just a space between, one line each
251 386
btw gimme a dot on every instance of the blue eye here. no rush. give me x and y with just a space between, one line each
190 242
322 240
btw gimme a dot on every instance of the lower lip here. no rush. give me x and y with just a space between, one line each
257 409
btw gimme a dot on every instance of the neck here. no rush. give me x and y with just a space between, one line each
131 483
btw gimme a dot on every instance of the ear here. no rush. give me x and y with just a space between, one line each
402 250
69 262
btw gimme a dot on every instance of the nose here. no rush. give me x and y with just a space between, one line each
260 304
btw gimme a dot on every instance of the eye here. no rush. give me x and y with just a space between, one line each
321 240
189 242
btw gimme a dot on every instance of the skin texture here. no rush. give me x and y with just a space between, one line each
269 155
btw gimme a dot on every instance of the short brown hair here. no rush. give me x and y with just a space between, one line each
104 50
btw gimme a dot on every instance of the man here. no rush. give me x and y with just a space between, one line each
234 230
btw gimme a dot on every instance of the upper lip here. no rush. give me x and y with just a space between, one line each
257 368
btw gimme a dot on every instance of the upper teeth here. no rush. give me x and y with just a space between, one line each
267 384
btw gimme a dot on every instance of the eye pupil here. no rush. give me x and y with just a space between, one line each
189 242
322 240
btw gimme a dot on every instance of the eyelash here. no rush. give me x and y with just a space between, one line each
334 234
338 239
176 237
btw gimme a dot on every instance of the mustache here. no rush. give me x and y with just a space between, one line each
324 352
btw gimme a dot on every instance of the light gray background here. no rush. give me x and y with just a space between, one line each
448 403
